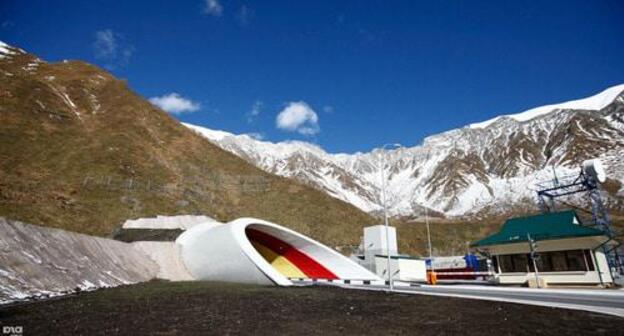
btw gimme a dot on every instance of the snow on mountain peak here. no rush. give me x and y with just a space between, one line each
594 103
454 173
279 149
214 135
4 49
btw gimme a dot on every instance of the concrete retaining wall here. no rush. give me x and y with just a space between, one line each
38 261
167 256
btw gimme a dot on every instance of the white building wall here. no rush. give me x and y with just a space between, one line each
603 266
402 269
375 240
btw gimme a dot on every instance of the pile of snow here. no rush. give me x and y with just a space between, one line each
593 103
183 222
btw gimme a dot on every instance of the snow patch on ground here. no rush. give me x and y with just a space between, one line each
183 222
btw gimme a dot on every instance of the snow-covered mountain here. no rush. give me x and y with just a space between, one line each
487 167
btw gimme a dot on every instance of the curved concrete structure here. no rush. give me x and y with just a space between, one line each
250 250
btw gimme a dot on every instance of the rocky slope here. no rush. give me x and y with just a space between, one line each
485 168
81 151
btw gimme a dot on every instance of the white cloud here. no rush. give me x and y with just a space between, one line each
255 111
112 48
298 117
174 103
105 44
213 7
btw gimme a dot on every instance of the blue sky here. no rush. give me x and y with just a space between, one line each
347 75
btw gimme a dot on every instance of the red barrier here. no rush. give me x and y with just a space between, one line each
466 273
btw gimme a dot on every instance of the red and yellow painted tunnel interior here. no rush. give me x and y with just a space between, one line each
285 258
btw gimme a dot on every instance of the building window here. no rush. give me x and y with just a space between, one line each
520 262
506 264
557 261
531 265
513 263
576 260
544 262
589 260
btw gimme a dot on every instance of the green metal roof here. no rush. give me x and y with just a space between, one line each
553 225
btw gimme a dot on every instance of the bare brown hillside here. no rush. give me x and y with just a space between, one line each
80 151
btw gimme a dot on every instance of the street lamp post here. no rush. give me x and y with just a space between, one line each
385 209
429 243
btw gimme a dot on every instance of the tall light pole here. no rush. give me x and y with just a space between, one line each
385 209
429 241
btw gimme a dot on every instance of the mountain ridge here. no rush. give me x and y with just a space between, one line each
594 103
456 172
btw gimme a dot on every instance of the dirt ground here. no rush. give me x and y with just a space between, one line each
205 308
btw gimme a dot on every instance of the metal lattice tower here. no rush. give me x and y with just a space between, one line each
583 183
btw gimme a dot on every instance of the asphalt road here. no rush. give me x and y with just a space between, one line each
603 301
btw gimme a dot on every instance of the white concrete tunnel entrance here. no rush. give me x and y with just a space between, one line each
250 250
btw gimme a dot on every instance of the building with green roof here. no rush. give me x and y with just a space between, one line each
566 252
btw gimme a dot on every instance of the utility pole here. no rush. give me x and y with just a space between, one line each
534 256
385 210
429 242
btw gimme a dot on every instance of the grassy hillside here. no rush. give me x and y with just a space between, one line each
80 151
